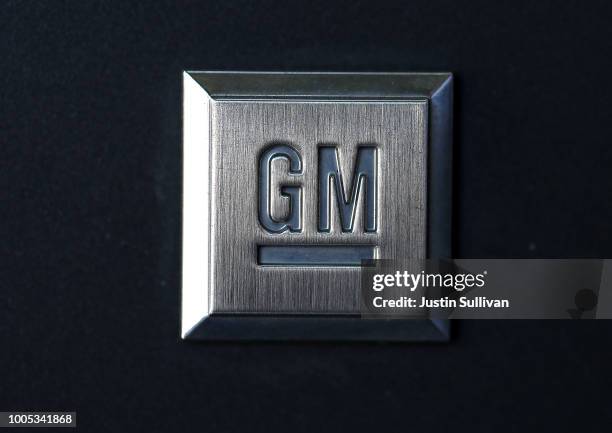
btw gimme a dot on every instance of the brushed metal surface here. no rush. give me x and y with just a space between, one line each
398 129
230 119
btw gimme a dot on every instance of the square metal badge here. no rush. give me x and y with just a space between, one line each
291 181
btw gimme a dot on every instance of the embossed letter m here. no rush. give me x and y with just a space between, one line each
363 179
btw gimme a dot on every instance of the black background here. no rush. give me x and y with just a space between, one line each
90 136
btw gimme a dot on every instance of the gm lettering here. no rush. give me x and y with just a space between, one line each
363 181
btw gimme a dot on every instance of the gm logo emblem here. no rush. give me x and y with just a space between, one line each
291 181
330 182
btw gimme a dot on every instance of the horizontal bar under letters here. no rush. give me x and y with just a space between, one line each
314 255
